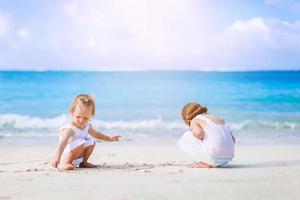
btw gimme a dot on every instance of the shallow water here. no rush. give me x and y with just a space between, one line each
140 105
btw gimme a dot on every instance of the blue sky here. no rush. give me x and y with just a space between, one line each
150 34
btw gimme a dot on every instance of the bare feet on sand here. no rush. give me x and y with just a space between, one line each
68 166
87 165
201 165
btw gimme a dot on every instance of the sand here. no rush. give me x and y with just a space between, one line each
160 171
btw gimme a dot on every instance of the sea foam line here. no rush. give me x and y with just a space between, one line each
13 124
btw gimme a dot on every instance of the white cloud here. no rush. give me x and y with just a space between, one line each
158 34
9 30
24 33
5 23
13 41
142 34
268 33
135 32
260 42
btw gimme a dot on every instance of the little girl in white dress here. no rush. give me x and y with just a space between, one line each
209 139
77 137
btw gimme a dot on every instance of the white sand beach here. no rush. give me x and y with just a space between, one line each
137 171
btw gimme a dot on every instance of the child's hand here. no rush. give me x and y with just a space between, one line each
200 134
114 138
54 163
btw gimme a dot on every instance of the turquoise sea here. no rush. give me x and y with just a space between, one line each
141 105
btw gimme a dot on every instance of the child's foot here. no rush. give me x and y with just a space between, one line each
201 165
68 166
87 165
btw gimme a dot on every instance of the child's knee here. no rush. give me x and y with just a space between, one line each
78 149
91 145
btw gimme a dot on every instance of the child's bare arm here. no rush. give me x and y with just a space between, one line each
197 130
65 135
101 136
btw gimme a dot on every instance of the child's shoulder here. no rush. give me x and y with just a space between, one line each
68 128
216 119
202 117
66 133
199 120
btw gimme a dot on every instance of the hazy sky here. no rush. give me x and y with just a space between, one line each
150 34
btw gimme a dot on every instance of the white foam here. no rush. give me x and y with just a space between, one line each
265 125
23 121
21 125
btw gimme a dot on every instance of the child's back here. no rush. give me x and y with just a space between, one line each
217 139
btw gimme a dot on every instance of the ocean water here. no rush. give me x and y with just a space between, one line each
143 105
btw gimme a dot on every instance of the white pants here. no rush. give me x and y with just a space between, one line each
74 144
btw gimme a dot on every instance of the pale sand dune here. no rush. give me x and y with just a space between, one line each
129 171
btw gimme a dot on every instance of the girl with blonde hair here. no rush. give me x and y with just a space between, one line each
76 141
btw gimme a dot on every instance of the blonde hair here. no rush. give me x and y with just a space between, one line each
84 99
191 110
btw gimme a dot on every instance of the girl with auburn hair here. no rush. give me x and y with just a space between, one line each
209 139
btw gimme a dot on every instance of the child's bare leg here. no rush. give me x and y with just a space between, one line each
86 154
75 153
201 165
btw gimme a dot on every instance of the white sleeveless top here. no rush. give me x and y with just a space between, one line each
217 141
79 133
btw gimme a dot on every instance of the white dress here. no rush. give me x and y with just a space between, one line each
216 148
80 137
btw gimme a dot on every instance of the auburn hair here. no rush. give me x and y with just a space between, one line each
191 110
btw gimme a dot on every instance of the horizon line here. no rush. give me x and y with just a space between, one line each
147 70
